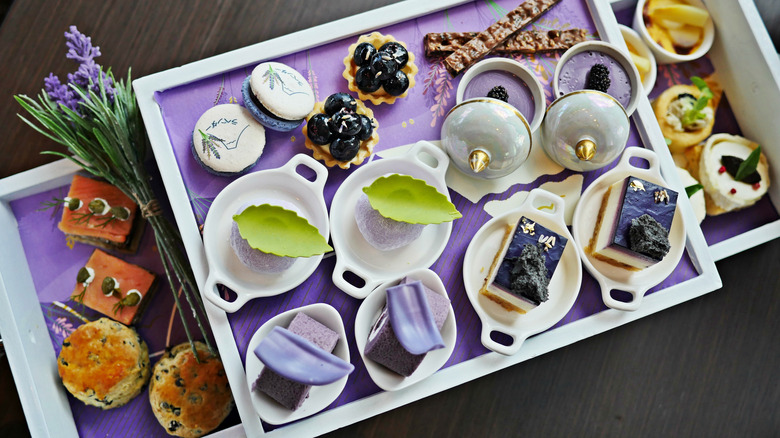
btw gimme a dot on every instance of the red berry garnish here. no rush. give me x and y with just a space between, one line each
733 190
722 169
756 186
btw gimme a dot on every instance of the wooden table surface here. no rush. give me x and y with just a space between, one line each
707 367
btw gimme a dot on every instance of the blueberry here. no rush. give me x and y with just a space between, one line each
383 65
345 124
363 53
397 84
366 80
319 129
337 101
397 51
366 128
344 149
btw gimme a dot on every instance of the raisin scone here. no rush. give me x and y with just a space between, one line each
104 363
190 398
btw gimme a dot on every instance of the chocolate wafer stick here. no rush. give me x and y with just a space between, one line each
522 42
497 33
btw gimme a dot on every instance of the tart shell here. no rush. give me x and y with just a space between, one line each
682 140
322 152
379 96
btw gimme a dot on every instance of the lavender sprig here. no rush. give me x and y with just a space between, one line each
99 122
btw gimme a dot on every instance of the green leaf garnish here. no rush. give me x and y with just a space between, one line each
690 190
695 113
410 200
749 165
276 230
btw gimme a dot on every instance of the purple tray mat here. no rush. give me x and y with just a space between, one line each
725 226
418 116
54 265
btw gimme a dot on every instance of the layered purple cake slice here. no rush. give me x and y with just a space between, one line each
632 230
523 266
287 392
383 345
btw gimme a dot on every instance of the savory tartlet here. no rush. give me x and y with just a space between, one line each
677 110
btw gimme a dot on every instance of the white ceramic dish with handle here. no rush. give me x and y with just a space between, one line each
283 186
354 254
319 396
547 209
611 277
368 313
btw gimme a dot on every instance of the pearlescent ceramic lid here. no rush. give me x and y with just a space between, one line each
282 90
486 138
228 139
584 130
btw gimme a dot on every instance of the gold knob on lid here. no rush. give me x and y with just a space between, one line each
585 150
478 160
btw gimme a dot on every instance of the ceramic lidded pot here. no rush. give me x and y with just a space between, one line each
486 137
584 130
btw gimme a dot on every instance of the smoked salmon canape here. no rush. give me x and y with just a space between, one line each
99 214
114 287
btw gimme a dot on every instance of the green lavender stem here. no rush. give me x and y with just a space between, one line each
110 142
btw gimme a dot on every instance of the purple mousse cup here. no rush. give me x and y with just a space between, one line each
254 259
524 90
572 70
383 233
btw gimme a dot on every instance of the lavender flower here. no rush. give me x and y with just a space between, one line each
88 76
60 93
80 46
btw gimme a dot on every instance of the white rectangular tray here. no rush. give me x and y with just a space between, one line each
146 87
749 71
26 337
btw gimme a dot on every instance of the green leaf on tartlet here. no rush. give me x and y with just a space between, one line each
706 94
276 230
750 164
411 200
690 190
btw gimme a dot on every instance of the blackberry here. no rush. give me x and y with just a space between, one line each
397 51
363 53
319 129
396 84
337 101
344 149
366 80
598 78
498 92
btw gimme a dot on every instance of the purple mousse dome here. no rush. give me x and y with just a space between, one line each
383 233
254 259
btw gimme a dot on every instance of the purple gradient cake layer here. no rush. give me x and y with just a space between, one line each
383 346
288 393
501 284
624 205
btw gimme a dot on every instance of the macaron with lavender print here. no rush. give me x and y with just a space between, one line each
227 140
277 96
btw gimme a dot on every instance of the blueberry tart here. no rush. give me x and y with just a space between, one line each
341 131
379 68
